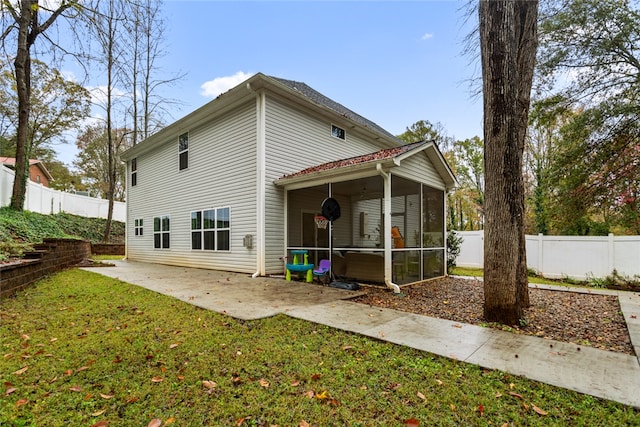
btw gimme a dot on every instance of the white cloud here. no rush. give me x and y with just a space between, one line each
215 87
427 36
99 94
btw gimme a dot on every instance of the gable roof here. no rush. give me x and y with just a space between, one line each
295 92
388 157
319 98
11 162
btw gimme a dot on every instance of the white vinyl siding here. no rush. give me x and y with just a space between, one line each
418 168
296 140
222 172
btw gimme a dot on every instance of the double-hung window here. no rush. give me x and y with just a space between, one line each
210 229
161 230
183 150
134 172
138 227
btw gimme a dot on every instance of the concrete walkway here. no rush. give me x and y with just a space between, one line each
604 374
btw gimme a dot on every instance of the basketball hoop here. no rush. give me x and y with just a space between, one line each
321 222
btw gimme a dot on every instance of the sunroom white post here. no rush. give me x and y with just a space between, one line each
386 179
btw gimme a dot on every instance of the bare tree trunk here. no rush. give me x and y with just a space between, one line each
504 31
527 38
26 22
111 183
22 64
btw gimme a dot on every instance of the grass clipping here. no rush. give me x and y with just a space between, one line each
83 349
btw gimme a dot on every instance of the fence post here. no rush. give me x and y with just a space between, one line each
540 255
611 253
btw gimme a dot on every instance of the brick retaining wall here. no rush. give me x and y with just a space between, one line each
48 257
107 248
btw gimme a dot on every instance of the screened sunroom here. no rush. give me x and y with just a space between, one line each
391 228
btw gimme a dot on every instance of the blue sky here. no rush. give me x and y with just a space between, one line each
393 62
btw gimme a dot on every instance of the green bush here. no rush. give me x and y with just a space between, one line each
31 227
454 243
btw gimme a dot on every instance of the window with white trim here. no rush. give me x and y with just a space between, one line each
161 229
134 172
210 229
338 132
183 150
138 227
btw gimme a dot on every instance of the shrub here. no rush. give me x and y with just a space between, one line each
454 244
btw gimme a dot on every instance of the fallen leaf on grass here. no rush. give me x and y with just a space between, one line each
539 411
481 409
295 383
439 382
315 376
82 368
174 345
21 371
21 402
75 388
102 423
519 396
133 399
157 379
106 396
9 391
156 422
170 420
303 423
412 422
264 383
309 394
421 396
453 407
209 384
323 395
98 413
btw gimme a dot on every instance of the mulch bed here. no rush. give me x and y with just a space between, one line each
583 319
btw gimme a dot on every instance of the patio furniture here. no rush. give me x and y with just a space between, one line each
322 272
300 268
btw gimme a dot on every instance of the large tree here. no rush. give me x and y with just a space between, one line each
57 105
23 19
93 160
508 41
590 59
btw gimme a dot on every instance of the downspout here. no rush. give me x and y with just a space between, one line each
260 180
387 226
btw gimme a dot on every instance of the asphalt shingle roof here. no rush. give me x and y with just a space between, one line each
386 153
320 99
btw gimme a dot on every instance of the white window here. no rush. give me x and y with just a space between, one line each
161 231
134 172
210 229
338 132
183 150
138 227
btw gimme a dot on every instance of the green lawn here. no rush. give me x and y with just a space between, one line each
478 272
80 349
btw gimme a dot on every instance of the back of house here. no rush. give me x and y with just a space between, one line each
216 188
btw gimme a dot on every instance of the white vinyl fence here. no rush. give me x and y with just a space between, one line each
47 201
555 257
